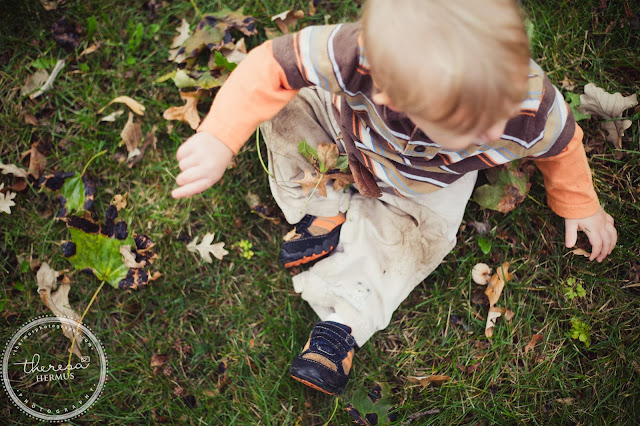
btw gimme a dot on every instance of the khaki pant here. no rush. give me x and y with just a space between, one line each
387 246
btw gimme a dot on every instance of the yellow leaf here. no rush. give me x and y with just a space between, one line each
426 380
134 105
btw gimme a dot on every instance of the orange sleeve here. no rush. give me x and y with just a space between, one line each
567 180
254 92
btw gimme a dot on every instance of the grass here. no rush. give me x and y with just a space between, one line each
231 328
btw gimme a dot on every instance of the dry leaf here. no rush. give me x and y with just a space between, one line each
566 401
34 82
596 101
119 201
187 113
567 84
290 236
287 19
238 53
497 282
341 180
158 360
581 252
426 380
149 140
131 135
481 274
90 49
309 182
58 301
206 249
328 155
13 169
129 258
508 315
492 316
49 83
112 117
37 161
134 105
183 35
30 119
51 4
6 200
535 339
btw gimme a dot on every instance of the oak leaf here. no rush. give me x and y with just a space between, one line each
13 169
6 200
310 182
206 249
188 113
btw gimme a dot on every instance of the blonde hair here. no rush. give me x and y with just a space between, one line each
459 63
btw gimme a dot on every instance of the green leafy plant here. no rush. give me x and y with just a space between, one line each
485 244
572 289
581 331
573 99
245 248
373 407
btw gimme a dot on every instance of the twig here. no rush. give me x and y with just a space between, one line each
49 83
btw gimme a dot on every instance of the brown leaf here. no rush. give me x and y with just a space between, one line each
129 258
341 180
328 155
426 380
287 19
51 4
508 315
481 273
89 50
188 113
131 135
566 401
581 252
37 161
567 84
492 316
497 282
150 140
119 201
535 339
34 82
58 301
30 119
158 360
309 182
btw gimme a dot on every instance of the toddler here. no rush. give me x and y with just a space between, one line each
419 95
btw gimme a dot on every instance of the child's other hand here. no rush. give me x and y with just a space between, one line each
202 158
600 230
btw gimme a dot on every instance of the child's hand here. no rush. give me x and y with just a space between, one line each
600 230
203 158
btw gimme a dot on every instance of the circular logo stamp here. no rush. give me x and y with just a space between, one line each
38 376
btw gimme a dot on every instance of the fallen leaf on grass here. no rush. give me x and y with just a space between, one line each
37 161
481 273
34 82
30 119
150 140
51 4
13 169
426 380
508 186
206 249
535 339
566 401
237 54
95 248
158 360
187 113
134 105
581 252
89 50
497 282
112 117
77 192
287 19
609 106
131 136
183 35
58 301
6 200
492 316
129 258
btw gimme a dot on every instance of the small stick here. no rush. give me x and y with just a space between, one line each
49 83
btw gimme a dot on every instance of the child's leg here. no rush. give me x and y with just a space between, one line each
307 117
387 247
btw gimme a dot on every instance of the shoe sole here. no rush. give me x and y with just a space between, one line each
316 387
307 259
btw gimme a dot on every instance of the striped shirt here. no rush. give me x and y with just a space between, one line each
387 145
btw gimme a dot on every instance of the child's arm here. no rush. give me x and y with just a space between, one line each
570 194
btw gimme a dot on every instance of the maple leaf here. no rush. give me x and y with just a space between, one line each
77 192
287 19
95 248
133 105
610 106
508 186
6 200
58 301
187 113
206 249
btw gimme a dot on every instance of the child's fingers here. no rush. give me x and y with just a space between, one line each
191 189
191 175
188 162
570 233
185 149
596 246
